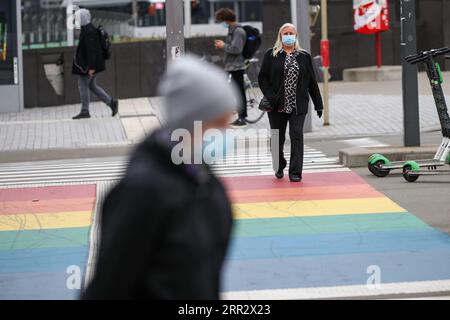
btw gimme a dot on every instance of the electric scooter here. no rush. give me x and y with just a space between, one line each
380 166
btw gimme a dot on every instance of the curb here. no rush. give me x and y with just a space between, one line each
62 154
313 138
358 157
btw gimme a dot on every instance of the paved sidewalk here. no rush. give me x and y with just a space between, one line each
356 109
372 108
368 115
53 127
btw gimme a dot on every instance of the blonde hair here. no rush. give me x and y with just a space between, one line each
279 44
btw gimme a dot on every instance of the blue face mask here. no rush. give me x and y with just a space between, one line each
225 25
288 39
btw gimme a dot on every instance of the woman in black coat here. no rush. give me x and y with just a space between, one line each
287 80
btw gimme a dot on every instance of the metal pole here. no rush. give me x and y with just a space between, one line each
236 9
174 29
305 42
47 27
70 24
211 12
411 123
294 12
187 18
20 54
135 13
326 68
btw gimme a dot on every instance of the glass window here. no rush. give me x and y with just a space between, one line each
7 44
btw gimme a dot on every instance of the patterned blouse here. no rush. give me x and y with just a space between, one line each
291 75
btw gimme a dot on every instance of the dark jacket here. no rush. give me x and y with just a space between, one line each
89 54
271 79
164 230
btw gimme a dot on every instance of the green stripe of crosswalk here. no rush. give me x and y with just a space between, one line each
48 238
327 224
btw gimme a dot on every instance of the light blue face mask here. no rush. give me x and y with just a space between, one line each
288 39
225 25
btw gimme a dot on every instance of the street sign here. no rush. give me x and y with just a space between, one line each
370 16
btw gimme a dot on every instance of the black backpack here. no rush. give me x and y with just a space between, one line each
252 43
105 43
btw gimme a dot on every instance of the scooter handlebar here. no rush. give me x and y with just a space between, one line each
422 56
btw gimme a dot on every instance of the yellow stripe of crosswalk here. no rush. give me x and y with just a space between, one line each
315 208
45 221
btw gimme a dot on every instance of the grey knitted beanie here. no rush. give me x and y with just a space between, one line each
196 91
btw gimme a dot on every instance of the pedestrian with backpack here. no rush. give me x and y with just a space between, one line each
234 59
89 61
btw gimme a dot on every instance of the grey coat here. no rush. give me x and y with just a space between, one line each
234 45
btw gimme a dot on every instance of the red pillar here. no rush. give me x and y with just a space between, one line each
378 45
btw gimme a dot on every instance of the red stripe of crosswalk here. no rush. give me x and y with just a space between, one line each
48 193
323 179
304 193
46 206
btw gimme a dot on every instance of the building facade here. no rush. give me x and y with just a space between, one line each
140 74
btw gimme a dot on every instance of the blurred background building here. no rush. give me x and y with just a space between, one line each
138 31
44 21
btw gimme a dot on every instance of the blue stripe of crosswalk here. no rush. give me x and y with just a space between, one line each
243 248
335 270
42 260
37 286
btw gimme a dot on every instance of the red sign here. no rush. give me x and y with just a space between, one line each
371 16
325 53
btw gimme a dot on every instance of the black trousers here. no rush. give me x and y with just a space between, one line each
279 121
238 77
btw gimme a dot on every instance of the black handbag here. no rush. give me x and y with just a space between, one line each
265 105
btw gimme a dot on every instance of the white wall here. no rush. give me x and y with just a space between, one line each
197 30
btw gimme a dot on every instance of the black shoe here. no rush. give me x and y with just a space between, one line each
295 178
279 174
239 123
114 106
82 115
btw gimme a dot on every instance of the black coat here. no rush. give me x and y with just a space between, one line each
89 54
271 80
165 230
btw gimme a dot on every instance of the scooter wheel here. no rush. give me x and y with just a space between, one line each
408 176
376 169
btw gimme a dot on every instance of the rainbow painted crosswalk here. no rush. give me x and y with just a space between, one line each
329 231
44 235
310 240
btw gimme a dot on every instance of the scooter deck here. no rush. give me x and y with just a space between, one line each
428 173
421 163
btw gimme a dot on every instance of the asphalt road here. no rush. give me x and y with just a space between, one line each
428 198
